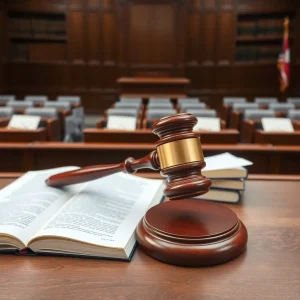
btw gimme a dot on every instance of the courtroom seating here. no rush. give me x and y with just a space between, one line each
133 105
264 102
295 101
44 112
195 106
58 105
73 132
227 106
6 112
237 113
294 114
252 121
158 99
125 112
19 105
278 137
131 99
74 101
37 100
48 130
153 115
282 108
157 105
6 98
187 99
204 113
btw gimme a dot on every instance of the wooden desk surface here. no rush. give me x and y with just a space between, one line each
269 269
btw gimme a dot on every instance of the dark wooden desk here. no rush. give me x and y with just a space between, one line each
153 86
99 135
269 269
277 138
20 157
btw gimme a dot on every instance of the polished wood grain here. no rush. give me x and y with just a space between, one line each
91 135
269 210
20 157
154 85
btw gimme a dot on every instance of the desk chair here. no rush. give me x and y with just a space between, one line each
154 114
6 98
194 106
19 106
130 100
6 112
295 101
58 105
75 101
126 112
252 122
49 118
282 108
73 133
206 113
227 106
158 105
264 102
187 99
37 100
237 113
128 104
294 114
157 100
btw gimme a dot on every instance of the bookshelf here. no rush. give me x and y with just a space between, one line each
29 31
259 36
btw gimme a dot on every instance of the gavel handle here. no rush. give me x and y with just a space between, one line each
130 165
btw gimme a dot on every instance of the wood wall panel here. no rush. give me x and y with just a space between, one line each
152 36
226 36
193 38
93 37
76 41
108 39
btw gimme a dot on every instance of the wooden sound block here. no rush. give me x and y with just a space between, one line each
192 233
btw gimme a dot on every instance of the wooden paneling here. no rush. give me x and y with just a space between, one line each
93 37
152 36
108 39
226 36
41 52
76 41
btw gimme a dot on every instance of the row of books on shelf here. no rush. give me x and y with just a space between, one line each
37 28
256 53
98 218
260 27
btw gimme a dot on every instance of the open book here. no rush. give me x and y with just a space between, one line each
96 219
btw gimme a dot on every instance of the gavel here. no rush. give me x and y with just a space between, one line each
186 232
178 156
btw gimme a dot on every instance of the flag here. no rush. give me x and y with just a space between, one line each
283 63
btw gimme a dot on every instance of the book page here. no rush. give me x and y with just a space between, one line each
210 124
225 161
29 203
106 212
24 122
121 122
277 124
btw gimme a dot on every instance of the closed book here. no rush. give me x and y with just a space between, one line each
228 184
221 196
94 219
239 172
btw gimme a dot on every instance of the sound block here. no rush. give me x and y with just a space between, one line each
192 233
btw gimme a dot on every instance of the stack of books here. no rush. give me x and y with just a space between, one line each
227 174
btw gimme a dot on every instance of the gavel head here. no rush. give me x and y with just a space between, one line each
180 156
